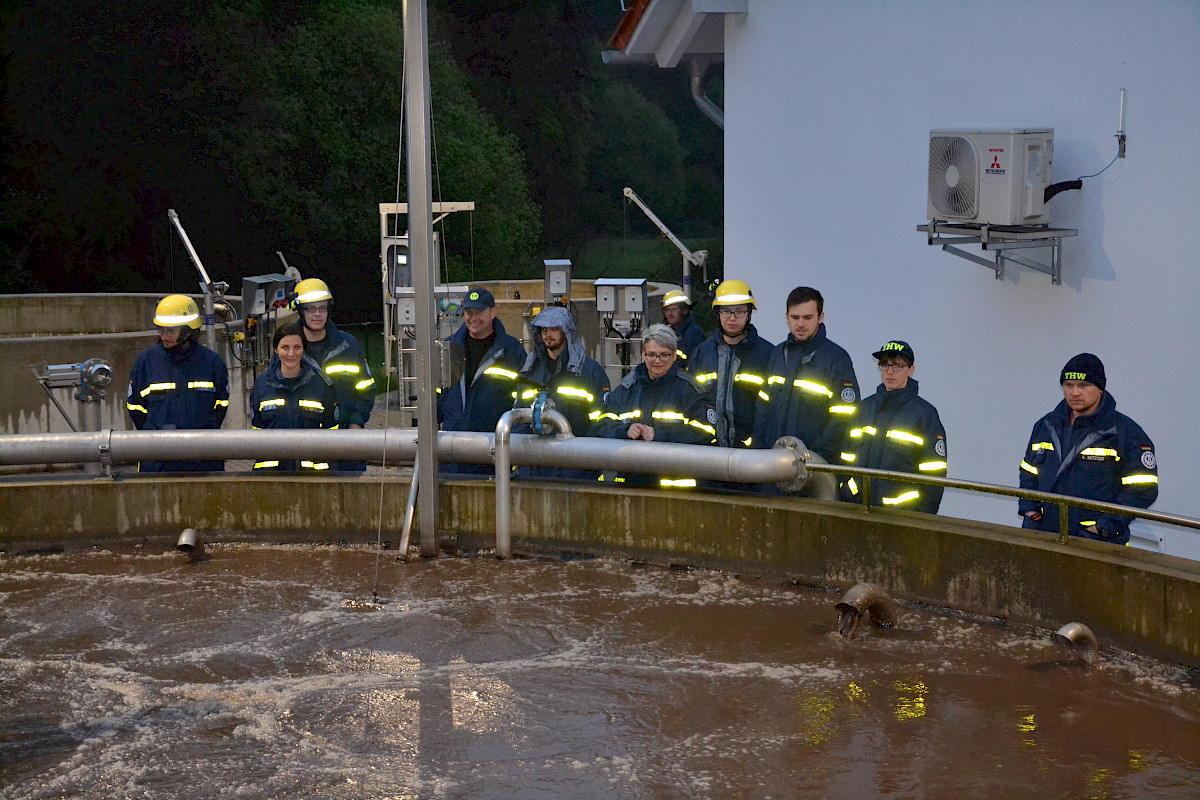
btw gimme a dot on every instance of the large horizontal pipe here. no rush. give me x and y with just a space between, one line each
782 464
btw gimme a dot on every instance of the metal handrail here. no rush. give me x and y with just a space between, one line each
990 488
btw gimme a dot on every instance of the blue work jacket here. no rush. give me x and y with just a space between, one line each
690 336
1104 456
673 405
308 400
900 432
732 376
184 387
811 393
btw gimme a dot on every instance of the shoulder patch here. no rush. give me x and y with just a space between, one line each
712 416
1148 459
848 394
940 447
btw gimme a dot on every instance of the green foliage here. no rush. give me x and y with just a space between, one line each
638 146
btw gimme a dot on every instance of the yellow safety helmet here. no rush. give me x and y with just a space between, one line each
675 296
734 293
311 290
177 310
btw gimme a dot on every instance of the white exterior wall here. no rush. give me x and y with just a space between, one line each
828 107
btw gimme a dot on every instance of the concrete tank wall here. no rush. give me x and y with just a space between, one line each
1142 601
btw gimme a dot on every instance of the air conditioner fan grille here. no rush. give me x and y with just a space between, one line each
953 177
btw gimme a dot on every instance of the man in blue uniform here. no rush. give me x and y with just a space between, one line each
731 365
490 360
576 383
179 383
339 355
657 402
811 391
896 430
677 313
1086 448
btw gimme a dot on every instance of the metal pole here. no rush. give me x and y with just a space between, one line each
408 509
417 115
503 460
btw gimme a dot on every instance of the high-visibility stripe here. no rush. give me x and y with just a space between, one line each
749 440
1132 479
172 320
339 369
501 371
528 393
746 377
774 379
312 405
706 428
905 436
158 387
364 384
764 396
870 429
133 407
1087 523
810 386
224 403
930 466
1029 468
681 354
265 404
669 415
595 415
677 482
314 465
841 409
856 433
1099 451
848 457
571 391
901 498
853 486
706 377
635 414
1041 446
201 385
264 464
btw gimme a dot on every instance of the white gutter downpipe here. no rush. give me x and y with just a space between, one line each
518 416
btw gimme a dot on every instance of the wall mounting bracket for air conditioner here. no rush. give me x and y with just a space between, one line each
1000 240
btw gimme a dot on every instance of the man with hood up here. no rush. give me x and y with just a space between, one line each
576 383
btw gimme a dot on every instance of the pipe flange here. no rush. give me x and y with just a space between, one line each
796 484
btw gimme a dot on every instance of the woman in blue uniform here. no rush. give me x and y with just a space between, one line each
292 393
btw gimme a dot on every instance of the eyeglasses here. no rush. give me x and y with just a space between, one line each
893 367
736 313
315 309
658 356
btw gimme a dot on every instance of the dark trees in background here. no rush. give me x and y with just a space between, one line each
273 125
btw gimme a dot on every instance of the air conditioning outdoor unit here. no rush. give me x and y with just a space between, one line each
996 177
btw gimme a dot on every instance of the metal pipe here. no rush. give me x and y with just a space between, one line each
503 462
778 465
862 599
418 115
408 509
696 69
1076 635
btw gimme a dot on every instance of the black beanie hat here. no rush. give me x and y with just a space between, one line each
1084 367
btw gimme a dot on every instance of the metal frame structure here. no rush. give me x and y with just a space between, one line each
1000 240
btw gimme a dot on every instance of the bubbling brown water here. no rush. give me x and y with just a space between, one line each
249 674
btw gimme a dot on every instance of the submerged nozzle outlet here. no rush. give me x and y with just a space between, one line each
189 542
1078 637
862 599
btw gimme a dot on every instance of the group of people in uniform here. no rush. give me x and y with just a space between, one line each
317 378
731 389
